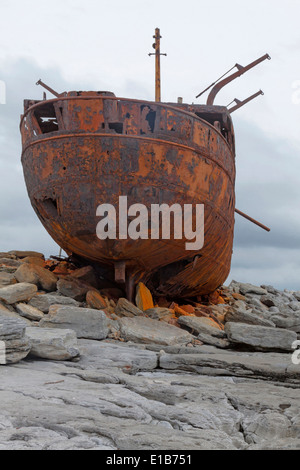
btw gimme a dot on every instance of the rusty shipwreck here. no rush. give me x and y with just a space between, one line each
82 149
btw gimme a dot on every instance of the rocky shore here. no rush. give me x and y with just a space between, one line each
81 367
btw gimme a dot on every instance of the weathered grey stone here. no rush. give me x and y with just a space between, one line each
6 279
125 308
146 330
240 316
260 338
287 321
29 312
37 275
246 288
157 313
71 287
10 263
213 340
24 254
44 301
297 295
50 343
14 345
86 322
17 292
197 325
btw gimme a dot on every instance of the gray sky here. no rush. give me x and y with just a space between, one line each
104 44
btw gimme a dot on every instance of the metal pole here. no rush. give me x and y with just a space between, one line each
252 220
157 65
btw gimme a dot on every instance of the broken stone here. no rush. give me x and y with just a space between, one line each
146 330
6 279
85 274
203 325
49 343
86 322
29 312
158 313
14 345
17 292
95 300
125 308
44 301
213 341
143 297
34 260
246 288
37 275
240 316
73 288
262 338
25 254
10 263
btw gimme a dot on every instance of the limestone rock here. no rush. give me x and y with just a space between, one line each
246 288
10 263
158 313
37 275
86 274
14 346
203 325
241 316
29 312
50 343
73 288
146 330
24 254
17 292
260 337
95 300
44 301
6 279
86 322
125 308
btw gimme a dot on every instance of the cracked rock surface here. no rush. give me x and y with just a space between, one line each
133 397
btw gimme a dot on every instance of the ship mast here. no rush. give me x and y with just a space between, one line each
157 54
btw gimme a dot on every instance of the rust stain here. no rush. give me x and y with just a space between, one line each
83 149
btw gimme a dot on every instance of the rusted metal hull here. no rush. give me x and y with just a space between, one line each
99 148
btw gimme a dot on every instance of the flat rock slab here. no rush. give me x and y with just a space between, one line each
50 343
17 292
86 322
246 288
201 325
241 316
44 301
260 337
29 312
125 308
37 275
146 330
14 346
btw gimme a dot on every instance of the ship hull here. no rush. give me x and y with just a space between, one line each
172 158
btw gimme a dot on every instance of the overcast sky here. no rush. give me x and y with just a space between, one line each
104 45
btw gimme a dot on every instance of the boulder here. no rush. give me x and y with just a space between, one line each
241 316
6 279
29 312
55 344
260 338
86 274
86 322
14 346
37 275
158 313
246 288
95 300
34 260
24 254
203 325
124 308
146 330
44 301
73 288
17 292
